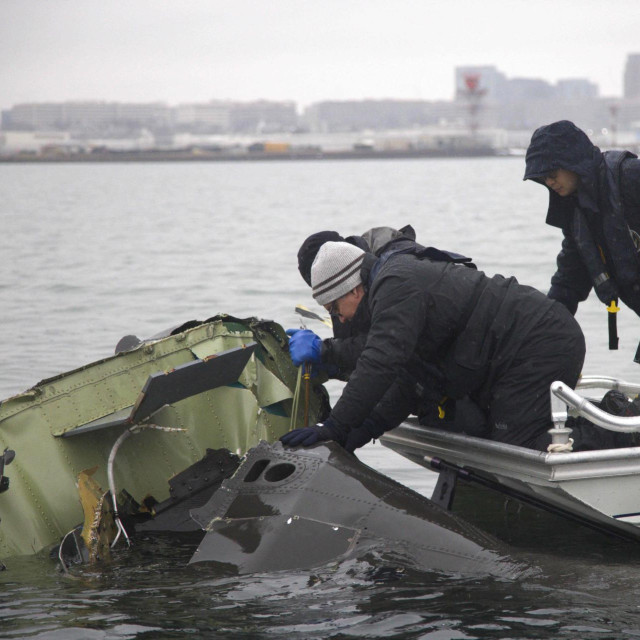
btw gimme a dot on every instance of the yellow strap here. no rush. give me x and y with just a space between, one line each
440 409
604 260
613 308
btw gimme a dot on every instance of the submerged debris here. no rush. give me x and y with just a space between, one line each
296 509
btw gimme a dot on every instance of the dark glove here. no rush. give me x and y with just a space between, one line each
358 437
304 346
306 436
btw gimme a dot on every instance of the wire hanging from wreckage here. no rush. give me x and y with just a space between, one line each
112 485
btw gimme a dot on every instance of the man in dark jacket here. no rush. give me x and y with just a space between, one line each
499 342
594 198
338 355
341 354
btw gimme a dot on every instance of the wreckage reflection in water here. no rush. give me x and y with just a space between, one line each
150 591
383 589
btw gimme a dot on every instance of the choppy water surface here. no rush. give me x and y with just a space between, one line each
91 253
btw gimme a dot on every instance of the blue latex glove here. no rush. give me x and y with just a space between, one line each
307 436
304 346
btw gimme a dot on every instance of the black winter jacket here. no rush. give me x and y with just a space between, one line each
434 313
349 338
600 222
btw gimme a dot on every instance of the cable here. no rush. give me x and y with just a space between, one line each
296 398
112 485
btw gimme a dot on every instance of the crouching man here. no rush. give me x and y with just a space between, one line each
496 341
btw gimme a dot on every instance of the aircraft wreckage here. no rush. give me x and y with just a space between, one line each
172 434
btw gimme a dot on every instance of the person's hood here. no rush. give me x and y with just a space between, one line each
379 238
562 145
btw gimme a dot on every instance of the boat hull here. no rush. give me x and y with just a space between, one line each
600 489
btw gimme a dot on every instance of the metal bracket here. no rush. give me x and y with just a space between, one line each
445 489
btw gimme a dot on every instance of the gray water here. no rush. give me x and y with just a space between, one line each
93 252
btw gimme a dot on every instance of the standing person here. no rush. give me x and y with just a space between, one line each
497 341
594 197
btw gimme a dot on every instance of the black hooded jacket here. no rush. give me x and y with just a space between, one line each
600 221
436 313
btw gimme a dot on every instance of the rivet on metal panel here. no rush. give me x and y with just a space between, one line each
148 348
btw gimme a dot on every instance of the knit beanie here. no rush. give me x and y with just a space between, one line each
335 271
309 250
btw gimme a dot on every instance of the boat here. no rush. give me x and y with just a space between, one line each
75 444
599 489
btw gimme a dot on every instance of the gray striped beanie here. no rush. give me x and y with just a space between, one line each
335 271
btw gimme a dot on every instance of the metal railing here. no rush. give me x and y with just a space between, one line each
565 401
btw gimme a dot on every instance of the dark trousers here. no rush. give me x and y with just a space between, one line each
519 404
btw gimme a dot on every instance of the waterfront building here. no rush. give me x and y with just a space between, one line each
485 80
32 142
209 117
263 116
86 117
356 115
632 77
576 89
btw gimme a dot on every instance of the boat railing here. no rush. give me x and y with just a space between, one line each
565 402
605 382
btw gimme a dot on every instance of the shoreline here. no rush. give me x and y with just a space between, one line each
202 155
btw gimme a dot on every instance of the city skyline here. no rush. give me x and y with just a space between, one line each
174 52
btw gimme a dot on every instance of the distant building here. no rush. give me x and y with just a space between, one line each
521 89
486 81
484 99
210 117
33 141
356 115
263 116
576 89
632 77
152 115
493 100
86 116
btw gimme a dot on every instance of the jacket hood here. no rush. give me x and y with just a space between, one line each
379 238
562 145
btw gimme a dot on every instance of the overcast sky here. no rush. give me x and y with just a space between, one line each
302 50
